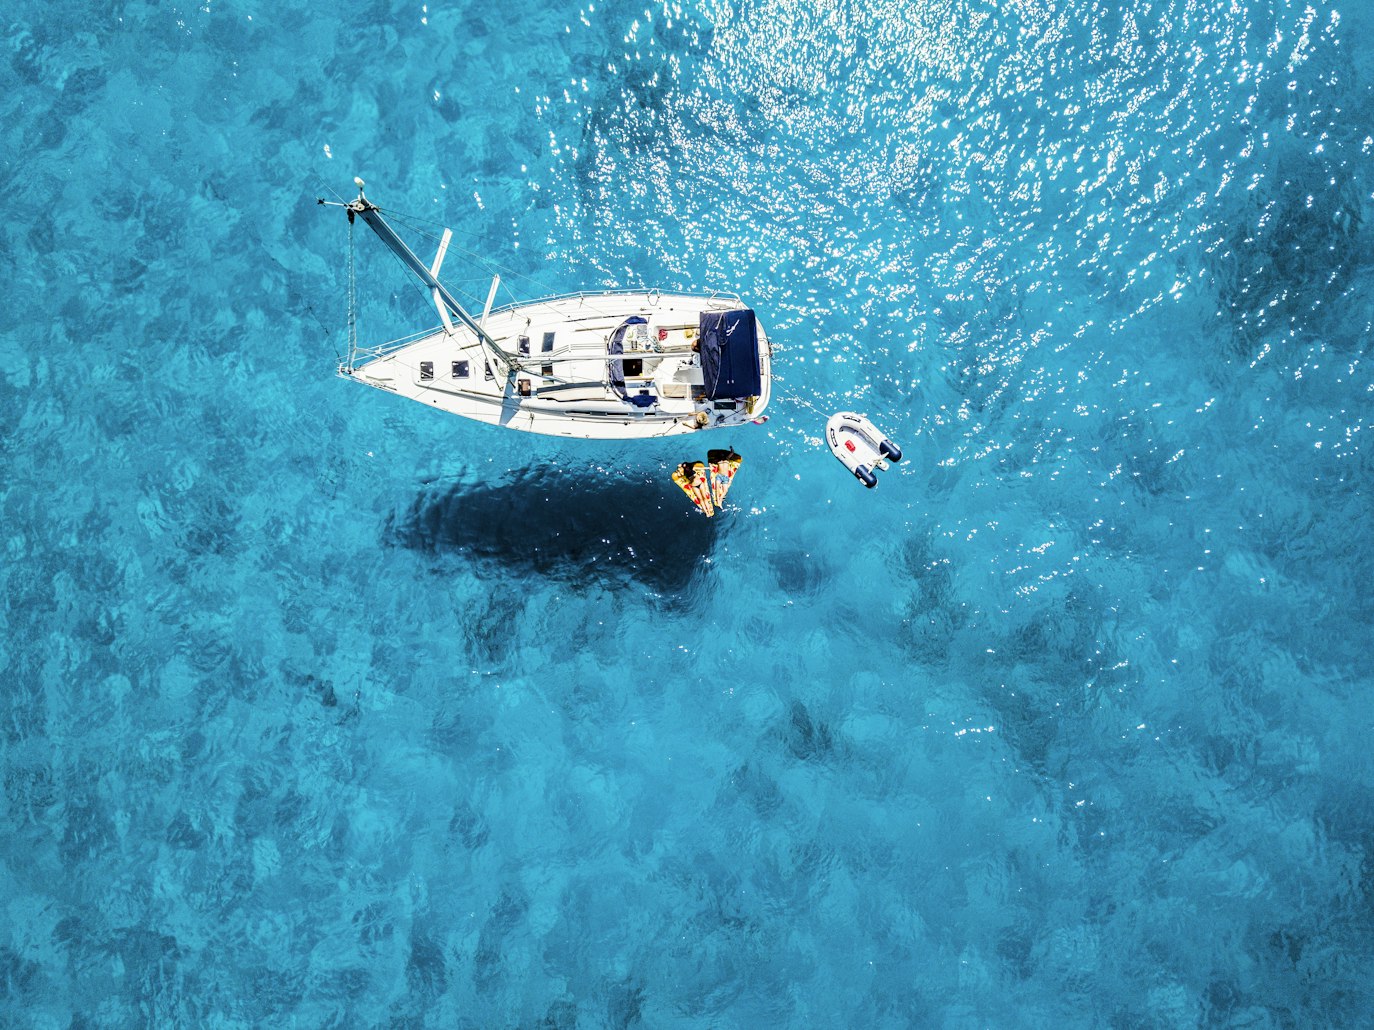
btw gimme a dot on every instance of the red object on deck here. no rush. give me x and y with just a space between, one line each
849 444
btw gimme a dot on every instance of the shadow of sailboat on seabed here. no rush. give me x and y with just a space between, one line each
582 526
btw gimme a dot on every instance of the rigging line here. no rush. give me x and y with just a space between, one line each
409 221
546 288
419 218
405 220
328 333
352 299
481 259
410 279
319 181
515 363
549 290
400 220
510 272
796 398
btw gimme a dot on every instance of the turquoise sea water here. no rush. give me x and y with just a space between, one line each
320 709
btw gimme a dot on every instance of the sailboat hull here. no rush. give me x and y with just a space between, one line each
613 366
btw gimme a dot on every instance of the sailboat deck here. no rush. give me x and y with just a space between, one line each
562 385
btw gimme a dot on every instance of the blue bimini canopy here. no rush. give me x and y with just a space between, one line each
730 354
615 364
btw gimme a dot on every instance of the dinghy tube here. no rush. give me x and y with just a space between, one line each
861 446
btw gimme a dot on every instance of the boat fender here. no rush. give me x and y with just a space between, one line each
866 476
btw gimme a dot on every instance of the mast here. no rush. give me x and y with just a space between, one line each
443 300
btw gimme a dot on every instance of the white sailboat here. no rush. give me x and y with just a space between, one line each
621 365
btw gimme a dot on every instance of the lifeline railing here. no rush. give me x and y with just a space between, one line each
622 292
381 350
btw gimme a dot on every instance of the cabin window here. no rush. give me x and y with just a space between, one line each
546 371
523 385
460 370
490 374
548 343
524 345
634 366
426 370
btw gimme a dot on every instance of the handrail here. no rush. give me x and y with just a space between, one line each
381 350
621 292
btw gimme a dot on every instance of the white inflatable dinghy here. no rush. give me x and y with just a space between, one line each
860 446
